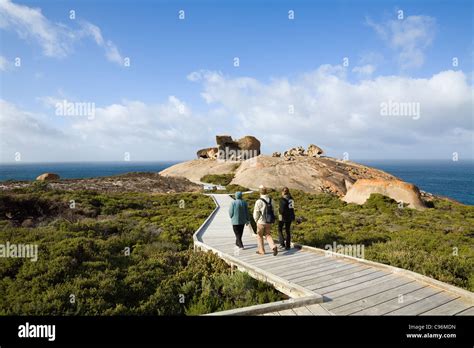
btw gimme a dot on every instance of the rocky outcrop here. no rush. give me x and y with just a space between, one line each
237 150
396 189
309 174
48 177
249 143
209 152
303 169
224 140
233 150
194 170
295 151
314 151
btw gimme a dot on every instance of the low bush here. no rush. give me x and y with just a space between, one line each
218 179
115 254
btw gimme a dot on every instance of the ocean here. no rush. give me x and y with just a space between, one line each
446 178
76 170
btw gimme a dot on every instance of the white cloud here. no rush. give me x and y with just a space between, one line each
27 133
30 24
3 63
134 121
364 70
343 116
329 110
409 37
111 51
163 131
56 39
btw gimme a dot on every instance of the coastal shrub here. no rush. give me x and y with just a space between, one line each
115 254
232 188
218 179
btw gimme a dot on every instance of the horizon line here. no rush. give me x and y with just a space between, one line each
185 160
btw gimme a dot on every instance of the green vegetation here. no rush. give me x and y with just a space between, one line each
218 179
114 254
223 180
234 188
437 242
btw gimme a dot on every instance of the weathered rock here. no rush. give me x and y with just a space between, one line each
209 152
314 151
396 189
250 144
194 170
276 154
223 140
237 150
295 151
48 177
309 174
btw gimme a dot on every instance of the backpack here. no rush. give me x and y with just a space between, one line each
268 214
288 210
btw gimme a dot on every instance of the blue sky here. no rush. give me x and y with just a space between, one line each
135 105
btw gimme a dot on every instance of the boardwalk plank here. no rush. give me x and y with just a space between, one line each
322 285
469 311
287 312
394 304
424 304
302 311
391 283
372 300
350 283
317 309
364 285
327 273
296 272
450 308
285 263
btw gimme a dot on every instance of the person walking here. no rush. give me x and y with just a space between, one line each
286 216
239 214
264 216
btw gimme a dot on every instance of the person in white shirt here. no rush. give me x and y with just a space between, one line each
263 214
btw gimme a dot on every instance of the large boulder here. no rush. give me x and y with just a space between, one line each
249 143
398 190
295 151
208 152
237 150
48 177
314 151
224 140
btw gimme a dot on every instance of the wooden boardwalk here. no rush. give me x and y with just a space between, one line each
334 284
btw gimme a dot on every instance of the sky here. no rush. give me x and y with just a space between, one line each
157 80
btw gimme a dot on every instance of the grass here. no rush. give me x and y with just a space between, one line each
437 242
84 267
218 179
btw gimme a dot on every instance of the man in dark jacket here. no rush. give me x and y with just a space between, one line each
239 214
286 216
